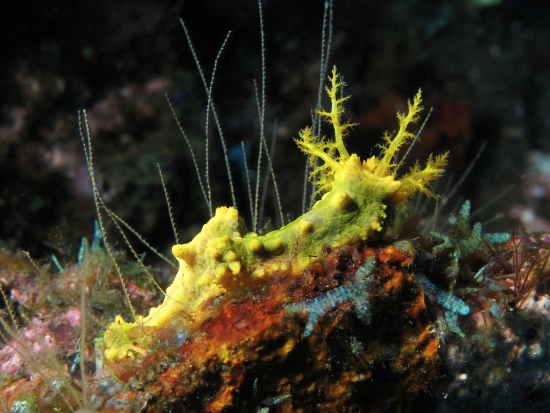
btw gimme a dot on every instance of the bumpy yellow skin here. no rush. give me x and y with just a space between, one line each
224 256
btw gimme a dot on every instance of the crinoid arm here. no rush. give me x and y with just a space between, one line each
355 291
447 300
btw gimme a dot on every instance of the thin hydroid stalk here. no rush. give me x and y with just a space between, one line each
267 175
464 175
190 150
208 105
89 160
248 185
168 203
214 112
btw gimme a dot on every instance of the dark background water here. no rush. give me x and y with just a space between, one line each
483 69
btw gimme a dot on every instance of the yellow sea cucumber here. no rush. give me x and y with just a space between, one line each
224 256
